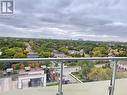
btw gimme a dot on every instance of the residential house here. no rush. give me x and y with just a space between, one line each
122 65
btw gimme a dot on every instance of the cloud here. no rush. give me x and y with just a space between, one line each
117 24
67 19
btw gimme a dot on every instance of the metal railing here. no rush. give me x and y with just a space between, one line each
60 90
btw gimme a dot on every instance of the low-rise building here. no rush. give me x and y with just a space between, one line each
59 55
122 65
29 79
32 55
73 52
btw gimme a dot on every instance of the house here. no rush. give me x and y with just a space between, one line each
32 78
122 65
82 52
73 52
59 55
32 55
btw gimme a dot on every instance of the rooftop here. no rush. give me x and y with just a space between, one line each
124 62
90 88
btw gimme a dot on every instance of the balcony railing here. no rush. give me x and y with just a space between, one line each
62 60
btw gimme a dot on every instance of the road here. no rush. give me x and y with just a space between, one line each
67 71
28 48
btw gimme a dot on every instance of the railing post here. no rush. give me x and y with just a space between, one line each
112 82
60 89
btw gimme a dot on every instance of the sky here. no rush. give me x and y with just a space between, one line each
97 20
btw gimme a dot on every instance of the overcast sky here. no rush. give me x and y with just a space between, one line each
103 20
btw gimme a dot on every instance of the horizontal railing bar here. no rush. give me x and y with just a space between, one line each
61 59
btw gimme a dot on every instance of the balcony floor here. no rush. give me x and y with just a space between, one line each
91 88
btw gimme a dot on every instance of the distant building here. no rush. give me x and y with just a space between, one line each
59 55
82 52
55 51
80 39
122 65
32 55
73 52
110 54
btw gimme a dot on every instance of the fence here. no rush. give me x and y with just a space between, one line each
61 60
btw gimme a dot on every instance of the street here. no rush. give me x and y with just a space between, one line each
67 71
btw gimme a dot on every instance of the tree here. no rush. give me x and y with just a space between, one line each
3 65
85 68
99 52
10 52
100 73
47 63
19 55
45 54
15 52
63 49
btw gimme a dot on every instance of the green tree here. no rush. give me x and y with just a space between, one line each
15 52
19 55
47 63
86 66
99 52
45 54
100 73
63 49
3 65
